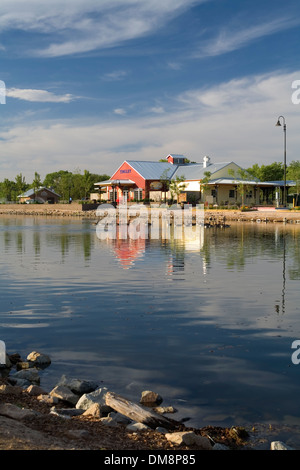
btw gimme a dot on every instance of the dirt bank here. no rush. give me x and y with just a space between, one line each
75 210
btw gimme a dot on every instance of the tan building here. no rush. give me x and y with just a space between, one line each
222 183
42 195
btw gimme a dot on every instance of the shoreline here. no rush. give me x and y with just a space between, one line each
80 414
75 210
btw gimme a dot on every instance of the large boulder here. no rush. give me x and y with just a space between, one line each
38 358
64 394
98 396
78 386
28 375
150 398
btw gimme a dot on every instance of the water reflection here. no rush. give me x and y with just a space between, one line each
206 319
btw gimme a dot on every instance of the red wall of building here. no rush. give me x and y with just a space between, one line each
126 172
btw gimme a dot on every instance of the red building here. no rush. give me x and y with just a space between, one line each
137 180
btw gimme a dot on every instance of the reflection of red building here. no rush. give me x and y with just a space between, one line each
134 180
127 251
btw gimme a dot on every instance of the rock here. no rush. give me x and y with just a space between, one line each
108 421
161 430
189 438
31 375
14 358
94 410
137 427
64 394
10 389
48 399
218 446
39 358
35 390
179 438
278 445
59 415
119 418
15 412
165 409
19 382
78 386
23 365
98 396
149 398
65 412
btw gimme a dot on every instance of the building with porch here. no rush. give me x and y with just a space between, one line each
224 183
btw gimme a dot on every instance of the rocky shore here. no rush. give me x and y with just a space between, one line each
79 415
261 214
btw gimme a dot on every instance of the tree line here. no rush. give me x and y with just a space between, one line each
275 171
68 185
78 185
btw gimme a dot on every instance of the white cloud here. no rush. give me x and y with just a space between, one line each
233 38
41 96
76 26
231 121
157 109
120 111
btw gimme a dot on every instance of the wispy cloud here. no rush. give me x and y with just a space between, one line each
41 96
114 76
233 38
77 26
120 111
232 121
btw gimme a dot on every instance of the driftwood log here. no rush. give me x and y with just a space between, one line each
138 413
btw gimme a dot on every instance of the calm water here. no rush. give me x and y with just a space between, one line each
208 325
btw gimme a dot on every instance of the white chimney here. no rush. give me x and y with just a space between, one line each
206 161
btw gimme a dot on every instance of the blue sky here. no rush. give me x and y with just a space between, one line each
92 83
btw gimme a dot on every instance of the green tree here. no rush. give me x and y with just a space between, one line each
176 186
20 184
86 182
165 180
7 188
36 183
293 173
204 186
272 172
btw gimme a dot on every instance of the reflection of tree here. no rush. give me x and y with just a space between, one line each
19 241
235 246
37 242
66 240
294 270
86 243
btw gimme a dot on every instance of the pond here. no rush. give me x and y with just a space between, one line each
208 323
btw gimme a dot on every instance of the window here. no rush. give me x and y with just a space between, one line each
213 192
231 193
138 194
113 195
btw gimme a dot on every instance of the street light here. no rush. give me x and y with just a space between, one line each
284 165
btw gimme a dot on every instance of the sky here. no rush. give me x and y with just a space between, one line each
87 84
